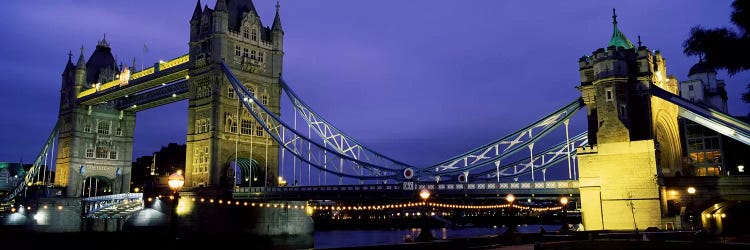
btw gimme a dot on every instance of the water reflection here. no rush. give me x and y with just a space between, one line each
350 238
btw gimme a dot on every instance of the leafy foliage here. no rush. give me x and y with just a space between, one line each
724 48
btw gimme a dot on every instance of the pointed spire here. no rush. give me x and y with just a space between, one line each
618 38
69 65
277 19
197 11
132 66
639 41
614 17
220 5
81 64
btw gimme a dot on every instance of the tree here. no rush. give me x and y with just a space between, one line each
724 48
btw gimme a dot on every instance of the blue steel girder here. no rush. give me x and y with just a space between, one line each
505 146
542 160
711 118
155 97
303 148
336 139
545 159
39 162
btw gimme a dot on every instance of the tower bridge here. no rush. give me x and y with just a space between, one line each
629 160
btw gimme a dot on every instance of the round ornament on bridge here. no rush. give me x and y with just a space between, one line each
462 178
408 173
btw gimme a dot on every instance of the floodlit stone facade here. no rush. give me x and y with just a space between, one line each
634 137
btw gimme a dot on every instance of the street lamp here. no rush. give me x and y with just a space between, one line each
424 233
512 227
564 220
175 182
691 192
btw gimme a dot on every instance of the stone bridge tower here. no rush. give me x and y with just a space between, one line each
95 142
634 137
220 131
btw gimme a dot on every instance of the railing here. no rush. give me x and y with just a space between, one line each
129 196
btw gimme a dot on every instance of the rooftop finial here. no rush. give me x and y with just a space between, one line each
614 17
104 42
639 40
70 55
278 6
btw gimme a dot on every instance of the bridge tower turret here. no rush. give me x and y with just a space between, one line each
634 137
95 145
220 131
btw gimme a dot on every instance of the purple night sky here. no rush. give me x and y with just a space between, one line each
417 80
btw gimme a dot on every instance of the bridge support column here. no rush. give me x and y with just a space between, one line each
618 186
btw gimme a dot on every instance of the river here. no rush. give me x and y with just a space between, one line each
350 238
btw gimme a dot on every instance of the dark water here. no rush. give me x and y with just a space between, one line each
349 238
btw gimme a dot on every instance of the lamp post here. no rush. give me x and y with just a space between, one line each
564 220
175 182
512 227
691 192
424 233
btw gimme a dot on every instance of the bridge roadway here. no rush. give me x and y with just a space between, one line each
409 190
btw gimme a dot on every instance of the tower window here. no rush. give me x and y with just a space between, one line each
622 111
118 132
690 87
259 130
609 94
255 35
230 92
237 50
102 128
102 152
245 51
87 128
260 56
245 33
90 151
252 54
264 99
246 127
113 154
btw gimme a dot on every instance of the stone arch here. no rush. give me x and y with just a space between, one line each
667 135
96 185
245 171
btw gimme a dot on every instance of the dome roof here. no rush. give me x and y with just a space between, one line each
701 67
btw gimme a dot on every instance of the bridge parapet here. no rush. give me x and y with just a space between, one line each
112 206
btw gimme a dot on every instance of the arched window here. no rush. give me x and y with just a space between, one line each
254 35
87 128
245 33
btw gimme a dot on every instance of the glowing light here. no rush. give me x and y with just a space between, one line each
424 194
723 215
672 192
149 199
13 210
564 201
59 207
309 210
691 190
45 206
741 168
136 189
510 198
